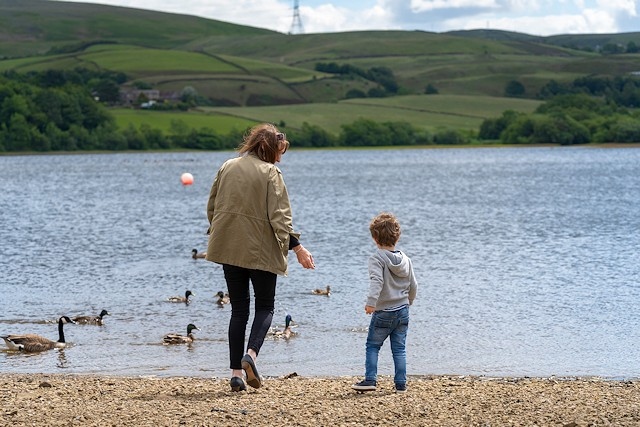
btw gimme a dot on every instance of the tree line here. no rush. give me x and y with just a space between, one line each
65 111
589 109
386 84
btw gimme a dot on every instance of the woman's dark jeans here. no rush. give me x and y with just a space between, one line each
264 290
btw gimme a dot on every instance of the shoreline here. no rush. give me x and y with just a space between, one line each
73 399
390 147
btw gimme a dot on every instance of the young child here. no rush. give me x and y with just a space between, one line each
392 288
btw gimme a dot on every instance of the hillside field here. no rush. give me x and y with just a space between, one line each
429 112
163 120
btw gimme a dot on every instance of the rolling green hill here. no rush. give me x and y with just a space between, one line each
257 74
464 62
29 27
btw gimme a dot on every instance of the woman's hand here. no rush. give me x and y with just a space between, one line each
304 257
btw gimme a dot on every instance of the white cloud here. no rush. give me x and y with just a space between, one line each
329 18
598 21
324 18
418 6
590 21
519 6
625 6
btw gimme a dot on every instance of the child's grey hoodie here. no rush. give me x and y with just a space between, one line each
392 282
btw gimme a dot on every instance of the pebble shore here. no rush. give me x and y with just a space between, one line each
76 400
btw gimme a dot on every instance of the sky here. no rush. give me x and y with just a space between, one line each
534 17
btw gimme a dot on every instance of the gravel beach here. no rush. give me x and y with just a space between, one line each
74 400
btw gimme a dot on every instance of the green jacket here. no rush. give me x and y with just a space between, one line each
249 216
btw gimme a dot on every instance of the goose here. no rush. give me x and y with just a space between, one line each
195 254
286 333
32 343
181 339
326 292
91 320
222 298
184 299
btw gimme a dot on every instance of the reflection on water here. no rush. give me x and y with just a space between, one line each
527 261
62 359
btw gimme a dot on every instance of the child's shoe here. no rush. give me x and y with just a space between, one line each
401 388
365 385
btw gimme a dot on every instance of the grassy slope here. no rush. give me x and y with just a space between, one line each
133 60
163 120
459 62
581 41
30 27
430 112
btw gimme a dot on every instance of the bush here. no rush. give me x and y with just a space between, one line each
449 137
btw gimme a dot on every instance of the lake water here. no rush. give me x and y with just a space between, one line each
527 260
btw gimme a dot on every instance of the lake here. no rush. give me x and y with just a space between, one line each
527 261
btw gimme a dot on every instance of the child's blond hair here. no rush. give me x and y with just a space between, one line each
385 229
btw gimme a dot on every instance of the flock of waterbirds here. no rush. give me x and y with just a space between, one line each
31 343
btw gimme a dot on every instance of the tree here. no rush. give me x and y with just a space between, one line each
551 89
355 93
107 91
612 48
50 102
493 128
81 138
366 133
18 133
449 137
135 139
518 131
574 103
558 129
625 130
154 137
14 104
403 133
384 76
110 140
189 95
313 136
56 137
376 92
430 90
592 84
514 89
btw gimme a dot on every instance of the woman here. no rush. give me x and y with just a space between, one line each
250 234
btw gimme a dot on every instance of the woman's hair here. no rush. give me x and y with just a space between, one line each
265 141
385 229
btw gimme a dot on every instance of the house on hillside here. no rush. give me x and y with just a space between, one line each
129 96
132 96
